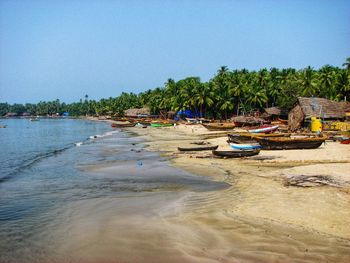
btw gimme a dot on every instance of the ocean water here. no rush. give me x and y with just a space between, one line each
49 168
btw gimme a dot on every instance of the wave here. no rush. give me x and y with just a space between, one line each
31 161
106 134
38 157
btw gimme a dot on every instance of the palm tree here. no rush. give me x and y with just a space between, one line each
238 87
221 83
308 82
342 84
263 79
347 65
257 97
274 88
326 78
204 97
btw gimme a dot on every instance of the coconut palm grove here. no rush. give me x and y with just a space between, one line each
229 92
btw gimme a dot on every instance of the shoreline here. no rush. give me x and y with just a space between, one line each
327 161
144 201
262 203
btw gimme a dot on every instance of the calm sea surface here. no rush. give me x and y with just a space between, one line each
48 165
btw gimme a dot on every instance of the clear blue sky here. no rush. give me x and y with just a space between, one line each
66 49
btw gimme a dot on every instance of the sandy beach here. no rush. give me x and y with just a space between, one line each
281 206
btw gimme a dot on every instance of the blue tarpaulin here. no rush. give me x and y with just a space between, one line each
187 113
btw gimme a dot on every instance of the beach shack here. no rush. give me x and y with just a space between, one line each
137 112
11 115
274 113
306 108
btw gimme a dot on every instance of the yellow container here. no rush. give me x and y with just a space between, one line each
316 124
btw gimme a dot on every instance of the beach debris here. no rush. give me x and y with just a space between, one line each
310 181
204 156
263 158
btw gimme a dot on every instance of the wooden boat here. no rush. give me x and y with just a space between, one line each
345 141
192 120
122 125
248 137
287 143
161 124
238 140
145 123
236 154
219 126
203 148
252 146
264 129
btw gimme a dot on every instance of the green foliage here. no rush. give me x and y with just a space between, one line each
227 93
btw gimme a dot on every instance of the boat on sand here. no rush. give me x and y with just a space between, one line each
223 126
289 143
203 148
122 125
250 146
248 137
236 154
265 129
347 141
161 124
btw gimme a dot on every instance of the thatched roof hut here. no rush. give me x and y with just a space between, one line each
305 108
11 114
273 111
136 112
247 120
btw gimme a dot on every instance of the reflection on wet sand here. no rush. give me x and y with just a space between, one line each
240 223
188 227
133 206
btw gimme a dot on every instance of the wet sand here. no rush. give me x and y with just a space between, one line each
211 210
259 218
117 199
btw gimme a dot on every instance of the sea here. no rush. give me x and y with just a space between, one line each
56 171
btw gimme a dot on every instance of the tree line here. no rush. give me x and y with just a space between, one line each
229 92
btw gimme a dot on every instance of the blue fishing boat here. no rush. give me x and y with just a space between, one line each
251 146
